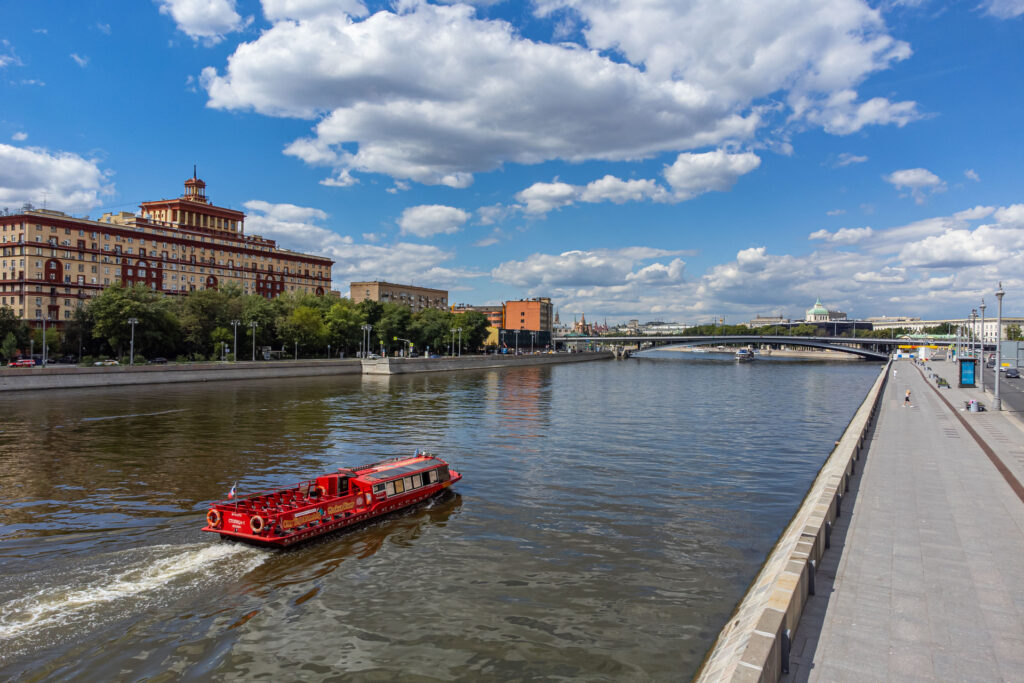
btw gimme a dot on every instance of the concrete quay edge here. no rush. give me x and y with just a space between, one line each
72 377
402 366
753 645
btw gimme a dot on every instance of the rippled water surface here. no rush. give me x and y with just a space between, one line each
610 517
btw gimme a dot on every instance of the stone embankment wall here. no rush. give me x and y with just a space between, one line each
72 377
754 643
401 366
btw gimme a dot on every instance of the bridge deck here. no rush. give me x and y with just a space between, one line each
926 581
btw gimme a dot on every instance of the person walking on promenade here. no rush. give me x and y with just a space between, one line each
906 399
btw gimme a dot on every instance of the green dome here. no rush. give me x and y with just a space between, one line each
818 308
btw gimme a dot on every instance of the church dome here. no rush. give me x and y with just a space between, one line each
818 309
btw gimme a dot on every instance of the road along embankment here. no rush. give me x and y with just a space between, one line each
754 644
72 377
402 366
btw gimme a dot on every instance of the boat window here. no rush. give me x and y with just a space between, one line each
399 486
417 481
430 476
378 488
391 488
408 484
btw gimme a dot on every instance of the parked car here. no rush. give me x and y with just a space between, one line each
67 359
158 361
109 361
22 363
1012 373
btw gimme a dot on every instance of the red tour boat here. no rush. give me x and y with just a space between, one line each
330 502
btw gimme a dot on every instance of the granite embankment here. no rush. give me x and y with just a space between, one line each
754 645
73 377
401 366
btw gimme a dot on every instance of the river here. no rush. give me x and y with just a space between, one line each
610 516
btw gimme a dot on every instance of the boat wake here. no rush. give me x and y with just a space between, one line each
164 569
129 415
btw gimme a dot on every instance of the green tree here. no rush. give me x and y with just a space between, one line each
305 326
474 326
202 311
394 322
344 322
432 327
1013 333
219 337
110 311
10 346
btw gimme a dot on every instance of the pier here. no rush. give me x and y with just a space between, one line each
922 574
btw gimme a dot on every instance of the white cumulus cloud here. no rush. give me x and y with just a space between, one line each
63 180
20 136
694 174
1004 9
920 182
436 93
432 219
842 235
207 21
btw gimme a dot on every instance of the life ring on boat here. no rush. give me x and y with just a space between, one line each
256 524
320 491
213 518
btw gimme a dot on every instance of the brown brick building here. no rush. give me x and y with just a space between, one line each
51 262
416 298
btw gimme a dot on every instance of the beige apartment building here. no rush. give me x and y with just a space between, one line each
416 298
51 262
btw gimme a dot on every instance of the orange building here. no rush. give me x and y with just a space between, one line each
528 314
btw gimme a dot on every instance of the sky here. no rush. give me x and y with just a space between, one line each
663 160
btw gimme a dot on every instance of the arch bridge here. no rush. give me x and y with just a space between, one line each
867 348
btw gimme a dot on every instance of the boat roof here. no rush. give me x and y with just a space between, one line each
397 468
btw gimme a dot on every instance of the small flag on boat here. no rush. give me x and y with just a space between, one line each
231 493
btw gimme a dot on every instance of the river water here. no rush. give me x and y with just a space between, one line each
610 517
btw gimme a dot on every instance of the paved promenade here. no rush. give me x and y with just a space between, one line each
925 577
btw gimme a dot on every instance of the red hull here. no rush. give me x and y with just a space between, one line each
331 502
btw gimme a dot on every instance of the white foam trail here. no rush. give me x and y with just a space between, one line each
50 606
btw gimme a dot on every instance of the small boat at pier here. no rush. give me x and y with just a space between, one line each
744 355
330 502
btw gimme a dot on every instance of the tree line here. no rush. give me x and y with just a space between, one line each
198 326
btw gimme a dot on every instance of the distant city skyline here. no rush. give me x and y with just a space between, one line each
644 159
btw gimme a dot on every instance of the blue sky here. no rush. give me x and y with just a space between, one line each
652 159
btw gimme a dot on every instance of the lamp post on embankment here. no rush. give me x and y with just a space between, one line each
235 324
131 358
253 324
997 402
982 307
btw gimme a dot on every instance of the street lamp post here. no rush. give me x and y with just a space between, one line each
366 339
296 349
253 324
517 342
982 307
459 329
43 318
533 338
235 324
328 351
131 358
997 401
974 332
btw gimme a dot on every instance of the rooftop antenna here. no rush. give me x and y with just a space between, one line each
193 171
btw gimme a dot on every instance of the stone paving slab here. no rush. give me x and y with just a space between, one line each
925 577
